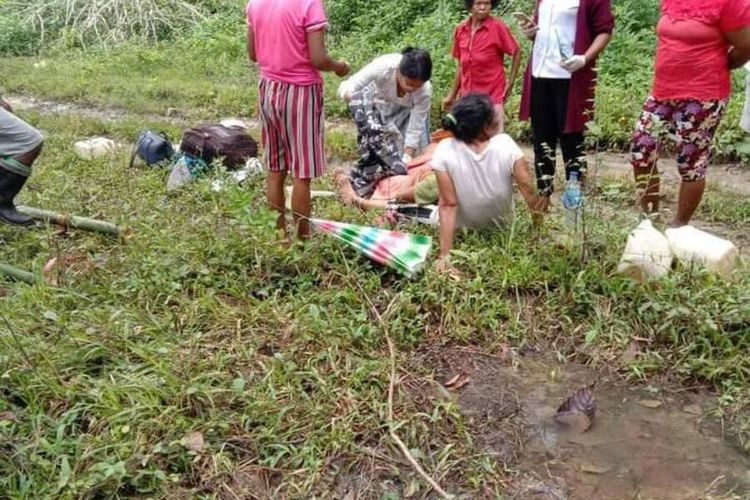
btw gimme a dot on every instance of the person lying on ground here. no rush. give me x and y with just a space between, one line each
404 91
480 45
699 43
417 186
287 40
475 172
20 144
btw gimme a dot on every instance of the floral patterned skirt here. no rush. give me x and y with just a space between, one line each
691 123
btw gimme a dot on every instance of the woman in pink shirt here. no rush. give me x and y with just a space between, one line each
699 43
287 40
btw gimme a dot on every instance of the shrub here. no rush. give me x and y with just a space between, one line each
16 37
86 23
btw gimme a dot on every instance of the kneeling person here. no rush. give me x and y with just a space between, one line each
20 144
404 94
475 172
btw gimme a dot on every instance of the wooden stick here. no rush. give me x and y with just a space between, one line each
391 390
70 221
19 274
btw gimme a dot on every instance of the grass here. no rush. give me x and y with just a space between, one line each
197 322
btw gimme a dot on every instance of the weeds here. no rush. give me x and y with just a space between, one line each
197 324
203 67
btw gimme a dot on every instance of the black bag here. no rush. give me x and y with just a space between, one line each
211 141
152 147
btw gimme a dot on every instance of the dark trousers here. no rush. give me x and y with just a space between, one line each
549 107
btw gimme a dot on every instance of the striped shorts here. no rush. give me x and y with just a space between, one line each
292 119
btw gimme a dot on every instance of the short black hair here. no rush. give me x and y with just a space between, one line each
416 63
470 3
470 116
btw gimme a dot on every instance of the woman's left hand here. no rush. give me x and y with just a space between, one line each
574 63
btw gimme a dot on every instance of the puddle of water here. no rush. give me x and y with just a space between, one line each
640 446
645 444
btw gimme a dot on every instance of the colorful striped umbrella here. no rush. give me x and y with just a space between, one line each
404 252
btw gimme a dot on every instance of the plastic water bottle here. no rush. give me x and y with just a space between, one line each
572 200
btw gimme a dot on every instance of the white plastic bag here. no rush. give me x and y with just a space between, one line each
180 175
647 254
691 245
95 147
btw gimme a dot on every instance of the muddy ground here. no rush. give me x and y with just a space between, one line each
646 442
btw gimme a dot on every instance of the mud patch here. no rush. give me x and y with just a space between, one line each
645 442
70 108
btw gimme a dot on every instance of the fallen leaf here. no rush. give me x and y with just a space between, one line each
650 403
49 266
453 380
7 415
693 410
193 441
574 422
461 382
595 469
581 401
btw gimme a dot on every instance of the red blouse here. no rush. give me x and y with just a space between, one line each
481 57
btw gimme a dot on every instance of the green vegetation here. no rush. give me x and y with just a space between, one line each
197 321
203 65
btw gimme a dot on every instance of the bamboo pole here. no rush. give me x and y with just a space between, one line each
70 221
18 274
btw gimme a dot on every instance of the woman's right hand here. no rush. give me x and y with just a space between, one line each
342 68
528 29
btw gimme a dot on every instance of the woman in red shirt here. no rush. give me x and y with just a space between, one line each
699 43
480 44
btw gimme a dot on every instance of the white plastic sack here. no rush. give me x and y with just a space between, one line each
693 246
647 254
95 147
179 176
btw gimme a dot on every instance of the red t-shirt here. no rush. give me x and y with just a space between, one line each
481 56
691 56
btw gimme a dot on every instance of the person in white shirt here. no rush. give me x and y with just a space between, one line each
475 172
405 92
559 86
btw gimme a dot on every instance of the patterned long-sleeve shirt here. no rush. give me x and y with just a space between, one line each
382 71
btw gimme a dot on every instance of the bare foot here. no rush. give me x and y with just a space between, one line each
346 191
340 173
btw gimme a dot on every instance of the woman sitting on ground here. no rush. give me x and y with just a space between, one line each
403 88
475 172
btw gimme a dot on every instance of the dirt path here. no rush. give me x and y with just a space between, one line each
728 177
733 178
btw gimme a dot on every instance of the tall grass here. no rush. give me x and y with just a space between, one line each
87 23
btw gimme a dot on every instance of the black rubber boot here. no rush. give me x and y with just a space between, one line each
10 184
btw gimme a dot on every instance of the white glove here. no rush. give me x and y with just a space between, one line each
406 158
573 64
